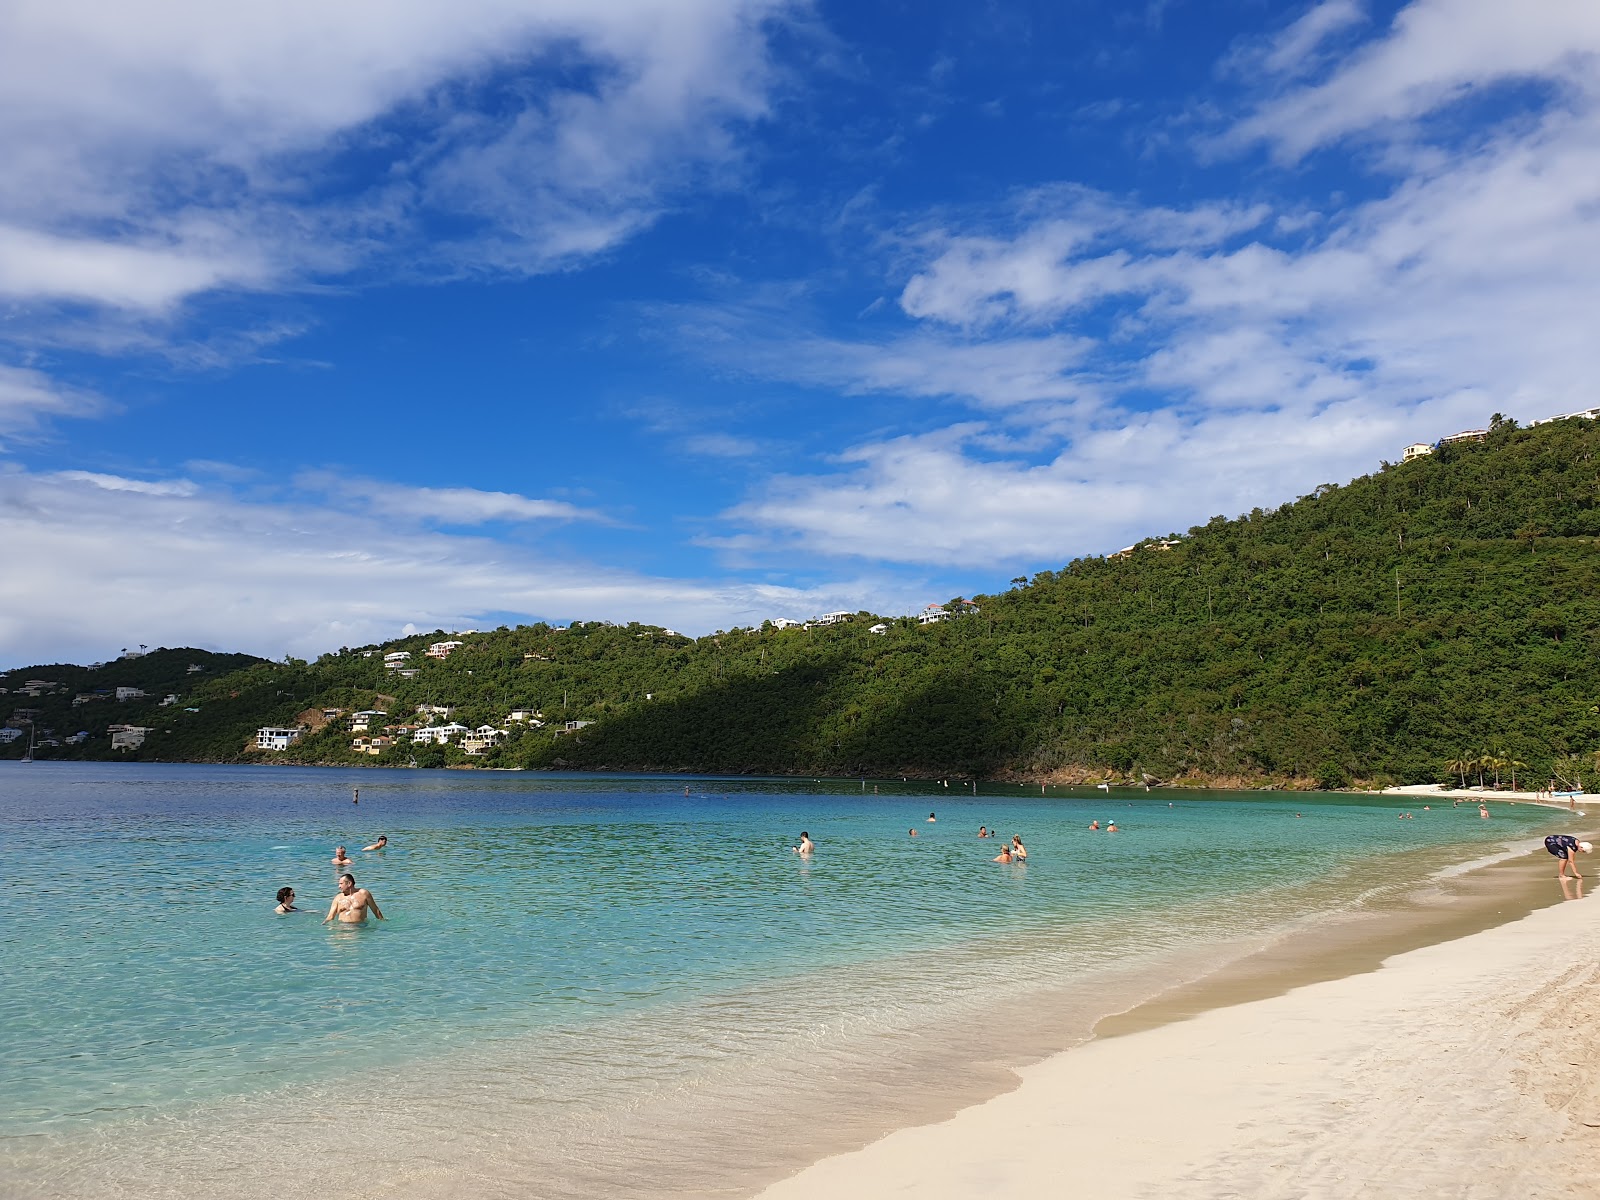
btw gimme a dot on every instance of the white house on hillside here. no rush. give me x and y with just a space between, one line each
932 615
444 649
833 618
275 737
1415 451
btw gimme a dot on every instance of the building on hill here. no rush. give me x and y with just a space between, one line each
129 693
1587 414
278 737
933 614
127 737
361 721
444 649
8 734
785 623
1415 451
833 618
1466 435
880 627
408 673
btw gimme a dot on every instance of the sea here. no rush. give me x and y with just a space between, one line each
602 985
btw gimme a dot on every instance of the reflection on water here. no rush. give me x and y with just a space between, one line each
578 976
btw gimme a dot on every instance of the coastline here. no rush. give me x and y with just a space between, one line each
1436 1050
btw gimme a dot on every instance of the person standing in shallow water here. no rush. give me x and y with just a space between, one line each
352 903
1018 850
286 901
806 845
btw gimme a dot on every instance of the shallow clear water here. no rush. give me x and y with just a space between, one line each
606 959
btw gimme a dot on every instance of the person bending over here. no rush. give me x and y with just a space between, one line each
1566 847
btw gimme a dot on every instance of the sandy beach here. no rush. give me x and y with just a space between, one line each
1465 1068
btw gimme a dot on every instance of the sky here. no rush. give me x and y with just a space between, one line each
322 324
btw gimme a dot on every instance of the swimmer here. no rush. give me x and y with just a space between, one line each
1111 826
355 796
806 845
1566 847
286 901
932 818
340 858
351 904
383 840
983 831
912 832
1005 854
1483 811
1018 850
1095 824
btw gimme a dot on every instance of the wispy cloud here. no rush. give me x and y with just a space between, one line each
113 559
439 505
29 396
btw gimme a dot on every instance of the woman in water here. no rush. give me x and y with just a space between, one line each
1018 850
1005 854
286 901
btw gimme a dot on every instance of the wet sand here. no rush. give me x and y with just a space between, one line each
1440 1045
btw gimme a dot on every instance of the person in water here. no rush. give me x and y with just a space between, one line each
912 832
806 845
1566 847
1005 854
1018 850
931 817
1095 824
286 901
352 903
383 840
340 858
983 831
1111 827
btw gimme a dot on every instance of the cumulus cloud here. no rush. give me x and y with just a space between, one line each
1236 353
111 558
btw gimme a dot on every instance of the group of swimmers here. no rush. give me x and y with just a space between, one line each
351 905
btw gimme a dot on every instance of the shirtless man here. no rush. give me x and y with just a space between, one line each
806 845
340 858
1005 854
351 904
383 840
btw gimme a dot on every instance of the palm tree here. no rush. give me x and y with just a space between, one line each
1514 763
1460 766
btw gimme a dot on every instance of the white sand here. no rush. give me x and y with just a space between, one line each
1467 1069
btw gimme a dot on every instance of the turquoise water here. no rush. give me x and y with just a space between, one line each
595 953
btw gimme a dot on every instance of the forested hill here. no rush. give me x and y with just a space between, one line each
1435 612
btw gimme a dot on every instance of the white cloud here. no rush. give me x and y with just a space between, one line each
1437 52
1231 365
27 396
1294 50
440 506
119 483
116 559
153 151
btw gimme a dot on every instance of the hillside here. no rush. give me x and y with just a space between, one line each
1380 630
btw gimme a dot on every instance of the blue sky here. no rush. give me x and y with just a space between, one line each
321 323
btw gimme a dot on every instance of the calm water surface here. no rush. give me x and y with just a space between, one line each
578 962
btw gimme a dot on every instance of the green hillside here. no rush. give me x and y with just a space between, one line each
1441 610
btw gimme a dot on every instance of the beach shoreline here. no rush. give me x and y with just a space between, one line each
1451 1056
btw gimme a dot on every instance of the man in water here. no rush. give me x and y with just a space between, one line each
1566 847
806 845
286 901
383 840
1095 824
340 858
983 831
1005 854
931 817
351 904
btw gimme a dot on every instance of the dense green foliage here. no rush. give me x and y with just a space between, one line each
1433 612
